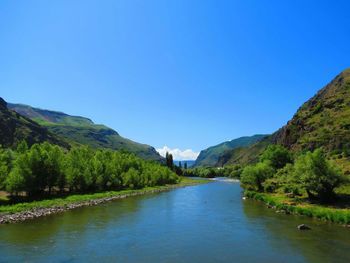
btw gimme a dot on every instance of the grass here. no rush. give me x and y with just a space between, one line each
300 207
77 198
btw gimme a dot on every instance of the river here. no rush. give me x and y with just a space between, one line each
203 223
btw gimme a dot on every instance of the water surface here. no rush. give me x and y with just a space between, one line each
204 223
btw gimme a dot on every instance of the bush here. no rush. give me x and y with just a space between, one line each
253 176
317 175
277 155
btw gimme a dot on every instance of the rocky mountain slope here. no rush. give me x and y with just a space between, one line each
15 128
323 121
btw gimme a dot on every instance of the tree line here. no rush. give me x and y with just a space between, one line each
278 170
232 171
48 169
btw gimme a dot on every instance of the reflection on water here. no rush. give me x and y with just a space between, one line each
204 223
326 242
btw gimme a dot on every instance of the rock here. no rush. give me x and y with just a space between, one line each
303 227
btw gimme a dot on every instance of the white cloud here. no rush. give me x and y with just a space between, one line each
179 155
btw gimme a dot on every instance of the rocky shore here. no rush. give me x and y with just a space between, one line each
45 211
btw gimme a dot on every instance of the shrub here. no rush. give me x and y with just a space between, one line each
277 155
317 175
253 176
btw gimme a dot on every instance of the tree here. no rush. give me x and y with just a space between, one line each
169 160
53 167
318 176
253 176
277 155
44 167
78 168
6 163
22 147
131 179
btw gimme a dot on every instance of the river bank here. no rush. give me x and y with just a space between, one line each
25 211
290 206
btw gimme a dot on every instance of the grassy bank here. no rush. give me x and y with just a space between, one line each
300 207
79 198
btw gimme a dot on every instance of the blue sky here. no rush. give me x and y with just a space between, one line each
180 73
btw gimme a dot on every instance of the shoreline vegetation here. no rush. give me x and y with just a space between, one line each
25 211
307 184
287 205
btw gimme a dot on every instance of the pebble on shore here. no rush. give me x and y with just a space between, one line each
44 211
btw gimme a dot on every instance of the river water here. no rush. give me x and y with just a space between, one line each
204 223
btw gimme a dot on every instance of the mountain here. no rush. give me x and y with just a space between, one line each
15 128
80 130
323 121
244 155
211 155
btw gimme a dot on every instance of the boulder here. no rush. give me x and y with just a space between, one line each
303 227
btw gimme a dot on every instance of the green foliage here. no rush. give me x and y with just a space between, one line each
341 216
6 163
317 175
211 172
287 182
36 169
311 173
45 167
277 155
253 176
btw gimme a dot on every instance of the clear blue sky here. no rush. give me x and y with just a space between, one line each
186 74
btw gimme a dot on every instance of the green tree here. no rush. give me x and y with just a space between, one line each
53 166
277 155
318 176
131 179
6 163
253 176
22 147
78 169
169 160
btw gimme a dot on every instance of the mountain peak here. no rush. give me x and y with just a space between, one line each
3 103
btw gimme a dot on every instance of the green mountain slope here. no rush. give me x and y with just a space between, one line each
211 155
323 121
14 128
244 155
80 130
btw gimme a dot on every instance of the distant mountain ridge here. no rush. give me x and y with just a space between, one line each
322 121
80 130
15 128
211 155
